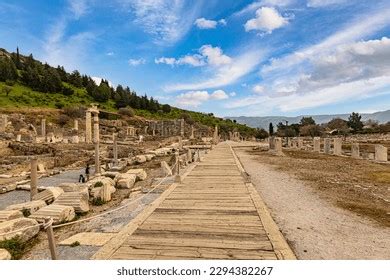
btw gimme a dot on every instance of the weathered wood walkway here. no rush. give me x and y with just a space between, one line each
213 214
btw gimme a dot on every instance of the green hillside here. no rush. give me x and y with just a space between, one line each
26 82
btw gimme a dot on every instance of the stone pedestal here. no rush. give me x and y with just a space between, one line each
327 145
380 153
76 125
271 143
278 146
355 153
337 146
317 144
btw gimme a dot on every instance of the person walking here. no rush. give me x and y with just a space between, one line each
87 171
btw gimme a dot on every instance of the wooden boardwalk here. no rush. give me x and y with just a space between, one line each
213 214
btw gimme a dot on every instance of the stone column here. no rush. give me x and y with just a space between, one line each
146 130
43 128
97 159
106 193
88 128
96 127
380 153
317 144
327 145
34 177
289 144
182 127
115 148
18 138
337 146
355 152
176 169
76 125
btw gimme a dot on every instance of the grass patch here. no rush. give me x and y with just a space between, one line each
75 244
16 247
97 202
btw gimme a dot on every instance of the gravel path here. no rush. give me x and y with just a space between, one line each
315 228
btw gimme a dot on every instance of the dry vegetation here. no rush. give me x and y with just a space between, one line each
357 185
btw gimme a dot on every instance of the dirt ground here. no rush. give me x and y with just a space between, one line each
327 207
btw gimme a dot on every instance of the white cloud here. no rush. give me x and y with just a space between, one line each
233 93
196 98
225 74
136 62
267 19
165 20
219 95
222 22
214 55
203 23
165 60
192 98
110 53
208 55
257 4
324 3
258 89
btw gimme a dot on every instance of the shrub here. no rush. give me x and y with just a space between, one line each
75 244
26 212
98 185
97 202
63 119
59 105
74 112
126 112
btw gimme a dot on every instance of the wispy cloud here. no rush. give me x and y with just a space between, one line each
227 74
167 21
136 62
207 55
67 50
324 3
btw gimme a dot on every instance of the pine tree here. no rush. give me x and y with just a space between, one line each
271 129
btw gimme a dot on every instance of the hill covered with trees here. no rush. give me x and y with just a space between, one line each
27 82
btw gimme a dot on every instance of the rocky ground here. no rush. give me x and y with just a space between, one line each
327 207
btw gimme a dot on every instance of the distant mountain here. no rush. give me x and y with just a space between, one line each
263 122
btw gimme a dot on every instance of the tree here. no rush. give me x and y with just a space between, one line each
310 130
271 129
307 121
261 133
8 70
166 108
18 63
355 122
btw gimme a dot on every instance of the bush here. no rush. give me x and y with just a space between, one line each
63 119
59 105
126 112
98 185
15 247
74 112
97 202
75 244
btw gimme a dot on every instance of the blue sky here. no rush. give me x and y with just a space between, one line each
232 57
